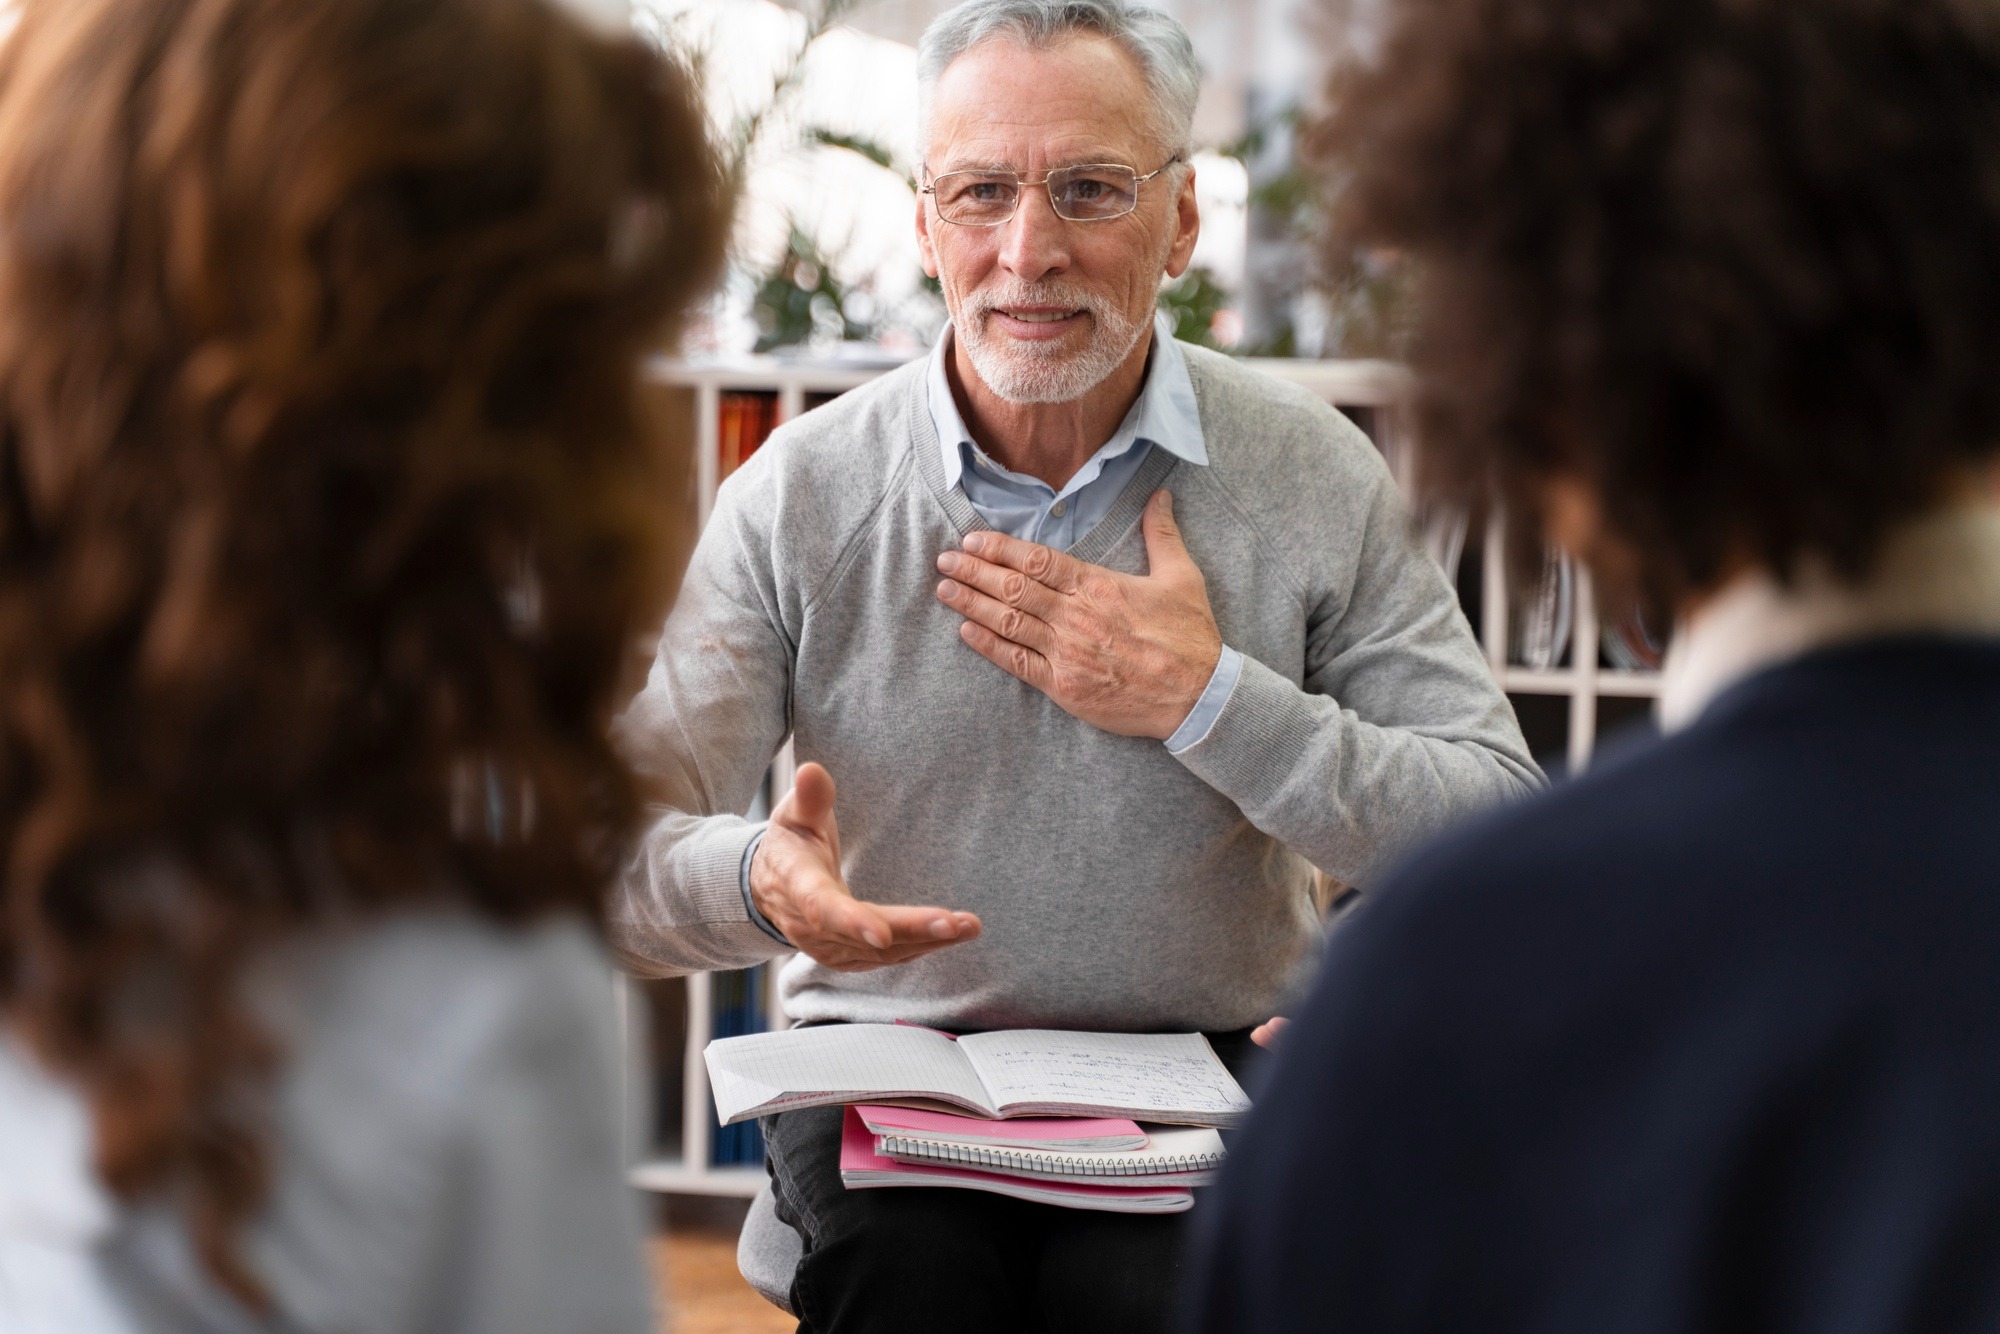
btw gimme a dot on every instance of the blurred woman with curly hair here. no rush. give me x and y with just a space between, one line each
327 512
1708 1039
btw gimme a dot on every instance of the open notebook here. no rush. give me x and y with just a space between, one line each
1169 1077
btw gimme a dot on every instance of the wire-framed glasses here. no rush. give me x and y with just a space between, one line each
1097 192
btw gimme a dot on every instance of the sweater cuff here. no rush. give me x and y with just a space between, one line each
1258 740
711 874
1195 727
749 902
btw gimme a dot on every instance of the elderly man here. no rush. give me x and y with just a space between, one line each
1107 640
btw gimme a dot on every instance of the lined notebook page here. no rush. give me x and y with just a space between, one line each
836 1063
1171 1075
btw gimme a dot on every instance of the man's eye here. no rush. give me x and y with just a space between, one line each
1087 191
987 192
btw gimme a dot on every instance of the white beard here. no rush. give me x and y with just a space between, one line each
1022 372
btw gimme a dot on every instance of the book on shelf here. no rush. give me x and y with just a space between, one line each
738 1006
747 419
1443 529
863 1168
1173 1156
1544 617
1166 1077
1075 1134
1630 646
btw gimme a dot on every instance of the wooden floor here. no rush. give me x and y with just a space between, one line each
696 1257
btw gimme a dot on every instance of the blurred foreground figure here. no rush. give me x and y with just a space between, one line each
1710 1039
325 515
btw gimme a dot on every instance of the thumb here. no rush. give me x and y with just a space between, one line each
1165 552
810 802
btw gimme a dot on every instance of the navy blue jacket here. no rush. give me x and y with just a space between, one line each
1706 1040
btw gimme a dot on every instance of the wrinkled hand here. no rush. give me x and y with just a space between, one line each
1267 1033
795 882
1124 653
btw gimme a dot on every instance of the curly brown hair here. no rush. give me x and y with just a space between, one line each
327 508
1733 265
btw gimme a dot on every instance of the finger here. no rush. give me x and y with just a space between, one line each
835 916
835 950
810 802
1003 584
927 924
1052 569
1166 553
1011 658
846 956
1267 1033
1009 623
829 913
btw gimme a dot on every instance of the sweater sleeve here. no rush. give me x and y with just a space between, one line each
700 736
1397 730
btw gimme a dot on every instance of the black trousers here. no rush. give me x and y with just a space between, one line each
918 1260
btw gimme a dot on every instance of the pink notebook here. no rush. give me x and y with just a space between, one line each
861 1168
1075 1134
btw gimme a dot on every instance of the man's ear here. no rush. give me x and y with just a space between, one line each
926 251
1187 227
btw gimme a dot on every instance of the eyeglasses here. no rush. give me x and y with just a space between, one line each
1096 193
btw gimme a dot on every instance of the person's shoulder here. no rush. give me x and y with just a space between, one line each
1542 841
1636 858
826 476
416 1010
1295 469
1256 419
844 450
445 1076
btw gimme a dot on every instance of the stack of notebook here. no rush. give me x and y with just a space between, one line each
1041 1114
1080 1163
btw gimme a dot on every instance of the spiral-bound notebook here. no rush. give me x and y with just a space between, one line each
1065 1134
1175 1156
861 1168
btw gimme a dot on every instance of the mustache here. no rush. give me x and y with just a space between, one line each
1030 294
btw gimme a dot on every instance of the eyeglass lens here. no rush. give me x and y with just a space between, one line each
1080 194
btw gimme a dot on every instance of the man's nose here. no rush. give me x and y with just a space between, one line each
1035 241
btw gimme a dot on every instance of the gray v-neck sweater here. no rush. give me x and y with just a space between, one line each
1120 886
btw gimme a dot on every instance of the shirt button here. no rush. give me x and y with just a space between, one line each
1057 509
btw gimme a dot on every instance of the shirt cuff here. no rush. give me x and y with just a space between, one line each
1194 728
750 904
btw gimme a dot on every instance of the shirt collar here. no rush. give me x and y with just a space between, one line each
1165 413
1940 573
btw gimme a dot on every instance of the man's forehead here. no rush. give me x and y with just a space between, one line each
978 157
1006 105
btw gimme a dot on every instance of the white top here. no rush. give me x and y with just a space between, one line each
446 1150
53 1212
1939 574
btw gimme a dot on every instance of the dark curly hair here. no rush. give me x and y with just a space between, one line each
1733 265
327 508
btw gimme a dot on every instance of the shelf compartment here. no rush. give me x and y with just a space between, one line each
671 1176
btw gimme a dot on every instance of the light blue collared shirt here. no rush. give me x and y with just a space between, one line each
1164 416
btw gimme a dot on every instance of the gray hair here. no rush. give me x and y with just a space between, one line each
1156 40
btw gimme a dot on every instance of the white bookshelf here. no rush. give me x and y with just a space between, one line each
1381 387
